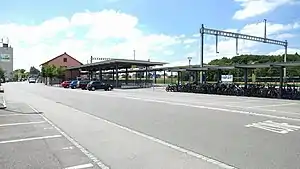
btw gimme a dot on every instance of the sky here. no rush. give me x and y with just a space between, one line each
157 30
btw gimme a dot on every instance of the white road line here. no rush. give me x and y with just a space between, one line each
273 105
16 124
206 107
75 143
4 115
29 139
180 149
81 166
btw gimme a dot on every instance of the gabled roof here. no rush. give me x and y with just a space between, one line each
60 56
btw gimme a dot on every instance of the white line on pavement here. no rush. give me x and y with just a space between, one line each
81 166
16 124
180 149
75 143
3 115
273 105
29 139
205 107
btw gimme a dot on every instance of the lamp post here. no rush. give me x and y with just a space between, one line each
190 59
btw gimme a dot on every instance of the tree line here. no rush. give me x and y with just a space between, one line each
211 75
256 59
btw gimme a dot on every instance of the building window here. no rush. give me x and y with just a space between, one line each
65 60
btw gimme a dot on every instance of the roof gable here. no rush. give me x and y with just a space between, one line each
62 55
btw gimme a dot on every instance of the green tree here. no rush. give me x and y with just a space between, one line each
2 74
60 72
50 71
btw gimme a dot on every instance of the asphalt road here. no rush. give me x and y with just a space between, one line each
154 129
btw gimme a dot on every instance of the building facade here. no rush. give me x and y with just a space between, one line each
6 60
65 60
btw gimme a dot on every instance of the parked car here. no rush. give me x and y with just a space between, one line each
82 84
94 85
65 84
31 80
73 84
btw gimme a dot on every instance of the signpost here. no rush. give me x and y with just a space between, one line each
227 78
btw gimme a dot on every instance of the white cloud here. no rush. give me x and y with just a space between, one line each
113 34
281 51
107 33
285 36
187 41
251 8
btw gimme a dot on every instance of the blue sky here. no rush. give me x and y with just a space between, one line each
170 18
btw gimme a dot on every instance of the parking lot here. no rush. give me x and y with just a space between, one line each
29 141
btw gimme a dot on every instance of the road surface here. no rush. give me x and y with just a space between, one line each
150 128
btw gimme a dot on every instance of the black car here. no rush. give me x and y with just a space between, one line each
82 84
94 85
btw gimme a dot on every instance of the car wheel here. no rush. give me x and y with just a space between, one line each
93 89
109 88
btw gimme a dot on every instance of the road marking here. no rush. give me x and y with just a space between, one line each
68 148
29 139
3 115
75 143
206 107
180 149
81 166
282 128
16 124
273 105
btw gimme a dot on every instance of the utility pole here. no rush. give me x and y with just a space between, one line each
133 54
201 51
91 59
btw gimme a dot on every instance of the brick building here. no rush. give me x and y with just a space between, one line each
65 60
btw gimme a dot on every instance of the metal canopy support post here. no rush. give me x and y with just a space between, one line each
178 78
171 77
126 76
155 77
113 75
181 78
117 76
284 60
281 72
219 72
146 74
246 77
100 74
164 77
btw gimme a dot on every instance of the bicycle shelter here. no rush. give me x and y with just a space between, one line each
279 65
114 67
